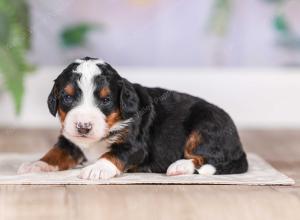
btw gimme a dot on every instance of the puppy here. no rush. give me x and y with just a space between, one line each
147 129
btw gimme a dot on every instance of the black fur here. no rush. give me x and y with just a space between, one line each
56 96
52 101
162 125
73 150
129 101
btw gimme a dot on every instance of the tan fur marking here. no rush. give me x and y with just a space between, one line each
70 90
193 141
115 160
58 157
122 136
104 92
62 115
113 118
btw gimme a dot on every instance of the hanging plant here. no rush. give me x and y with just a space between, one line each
76 35
14 42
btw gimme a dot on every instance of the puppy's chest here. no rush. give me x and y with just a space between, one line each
94 151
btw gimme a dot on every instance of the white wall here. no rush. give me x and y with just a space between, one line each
260 98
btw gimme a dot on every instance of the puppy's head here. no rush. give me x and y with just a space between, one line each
92 101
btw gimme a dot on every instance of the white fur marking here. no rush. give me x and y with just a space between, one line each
119 126
102 169
36 167
88 71
181 167
207 170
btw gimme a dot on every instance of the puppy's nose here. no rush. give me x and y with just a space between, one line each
84 128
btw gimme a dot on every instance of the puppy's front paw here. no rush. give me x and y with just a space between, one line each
36 167
102 169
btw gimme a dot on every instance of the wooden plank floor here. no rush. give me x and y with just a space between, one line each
279 147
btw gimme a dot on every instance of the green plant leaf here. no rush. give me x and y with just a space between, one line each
14 42
281 24
13 77
75 35
4 28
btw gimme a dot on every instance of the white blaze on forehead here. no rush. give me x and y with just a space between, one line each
88 70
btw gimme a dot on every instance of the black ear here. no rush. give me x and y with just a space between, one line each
129 100
53 101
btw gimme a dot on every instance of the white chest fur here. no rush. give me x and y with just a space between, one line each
94 151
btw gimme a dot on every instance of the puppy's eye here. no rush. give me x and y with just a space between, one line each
68 99
105 100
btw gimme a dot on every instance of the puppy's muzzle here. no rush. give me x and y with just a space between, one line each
84 128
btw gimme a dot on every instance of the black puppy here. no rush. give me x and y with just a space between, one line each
147 129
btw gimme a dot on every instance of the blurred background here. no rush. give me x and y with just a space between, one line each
241 55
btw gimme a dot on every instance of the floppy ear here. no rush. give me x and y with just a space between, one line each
53 101
129 100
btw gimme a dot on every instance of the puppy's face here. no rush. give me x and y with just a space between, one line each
91 100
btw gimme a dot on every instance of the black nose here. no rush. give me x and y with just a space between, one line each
84 128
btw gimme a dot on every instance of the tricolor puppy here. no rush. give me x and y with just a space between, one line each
148 129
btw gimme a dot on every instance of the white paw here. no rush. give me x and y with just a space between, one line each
207 170
36 167
102 169
181 167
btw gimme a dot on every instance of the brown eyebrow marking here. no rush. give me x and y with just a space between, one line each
69 89
104 92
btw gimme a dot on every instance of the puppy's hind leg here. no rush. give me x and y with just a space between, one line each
181 167
192 162
207 170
